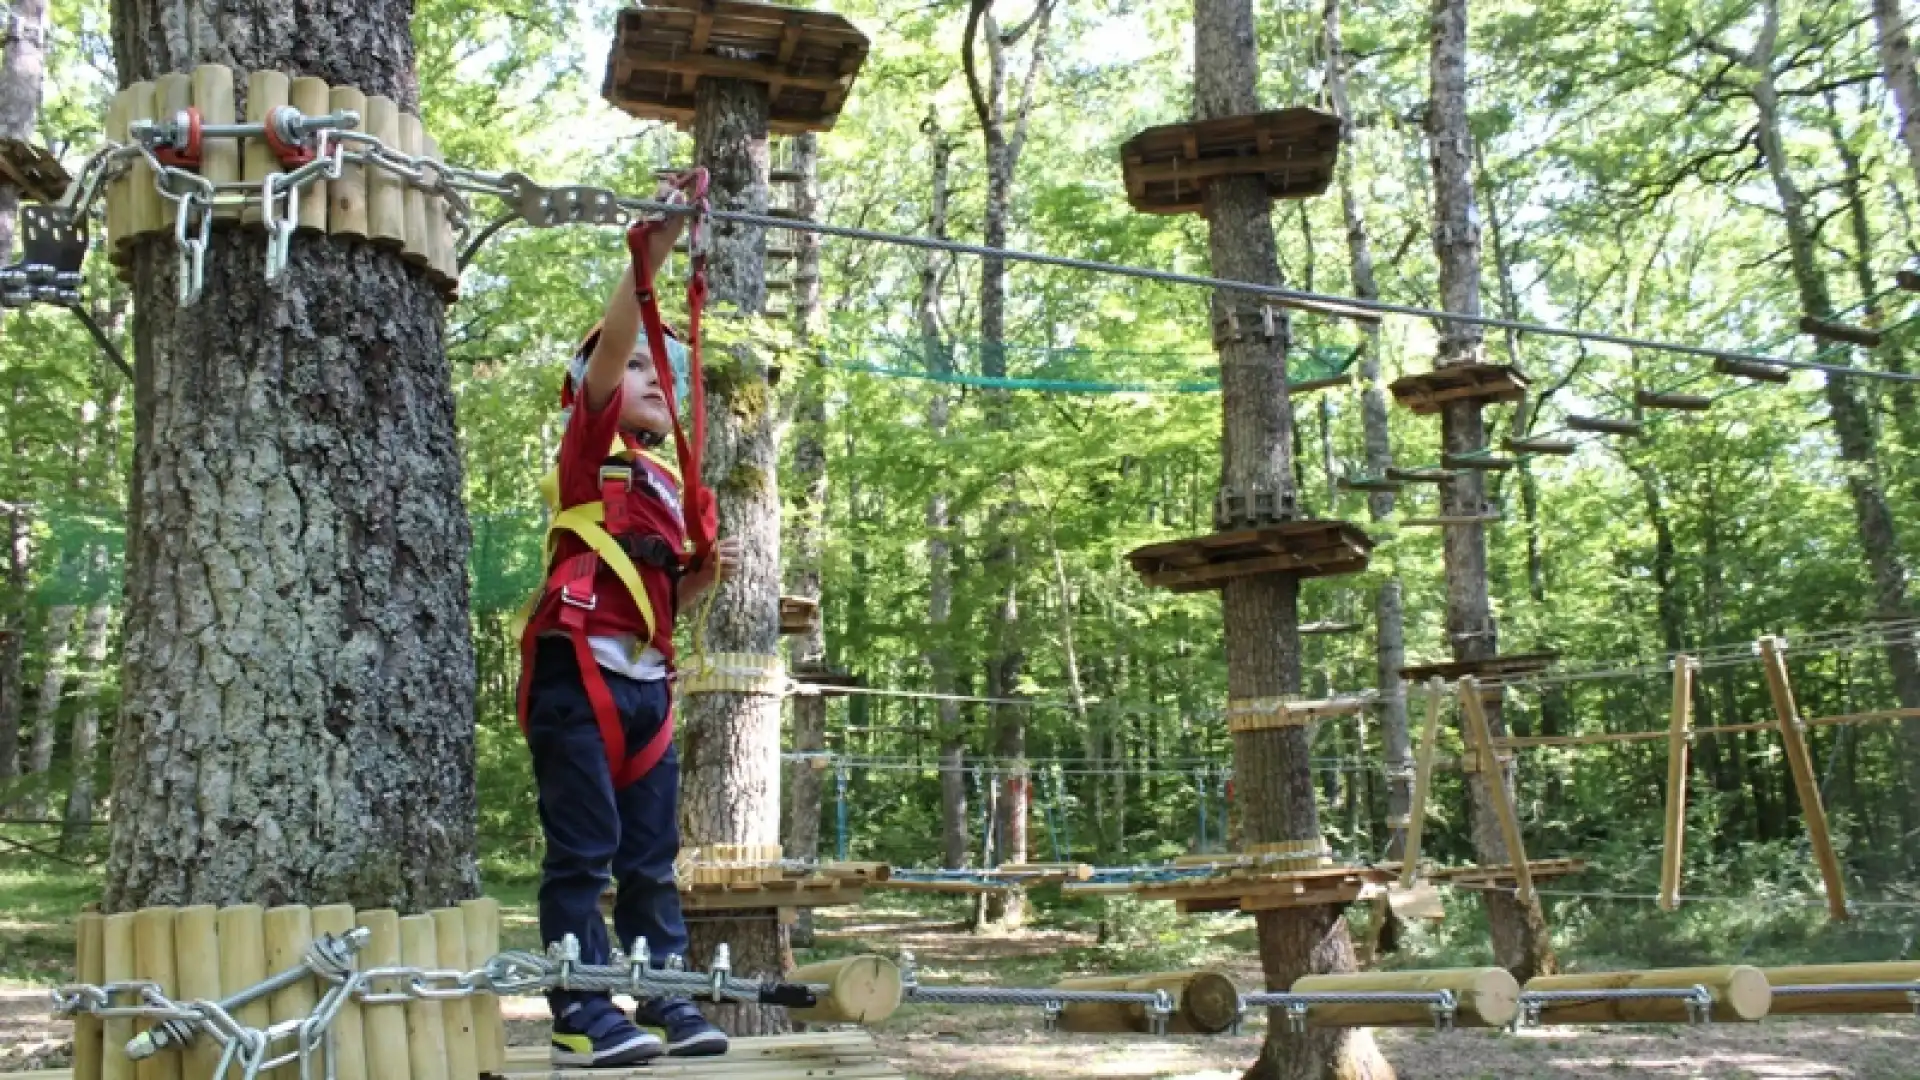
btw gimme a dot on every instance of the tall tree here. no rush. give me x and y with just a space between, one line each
1390 643
1520 939
57 648
297 716
731 741
1272 768
1005 131
1896 63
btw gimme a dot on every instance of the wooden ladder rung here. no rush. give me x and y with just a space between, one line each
1604 425
1654 399
1748 369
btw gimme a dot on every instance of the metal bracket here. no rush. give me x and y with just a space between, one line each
1444 1010
1050 1016
1297 1017
1700 1006
546 208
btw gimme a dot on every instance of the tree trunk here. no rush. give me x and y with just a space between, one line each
1852 422
1273 779
46 713
1390 648
78 816
809 650
731 741
1520 939
1896 63
297 714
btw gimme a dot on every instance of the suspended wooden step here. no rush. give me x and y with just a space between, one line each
1604 425
34 170
1451 519
1427 393
1478 462
1308 386
1370 483
1509 665
1167 168
1328 626
1843 333
1748 369
826 681
806 59
1329 308
1908 280
1652 399
799 614
1420 476
1306 548
1253 889
785 176
1541 445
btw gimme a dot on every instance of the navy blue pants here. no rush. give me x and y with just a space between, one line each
591 828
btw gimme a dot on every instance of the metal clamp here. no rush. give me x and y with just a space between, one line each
1444 1009
1159 1012
1050 1016
1296 1017
546 208
719 970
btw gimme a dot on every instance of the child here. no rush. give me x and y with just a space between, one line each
594 688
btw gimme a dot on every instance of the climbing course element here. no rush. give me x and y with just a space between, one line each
1748 369
1204 1003
1259 714
1604 425
1650 399
1426 393
1483 997
798 615
1793 739
1167 168
1303 547
1491 668
1660 996
807 59
37 174
1679 732
1540 444
1844 989
858 990
1840 333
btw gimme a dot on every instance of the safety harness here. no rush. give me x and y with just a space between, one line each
606 527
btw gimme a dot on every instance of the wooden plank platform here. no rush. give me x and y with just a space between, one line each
34 170
1305 548
1167 168
832 682
799 614
1426 393
819 890
842 1054
661 51
1253 889
1449 670
1502 876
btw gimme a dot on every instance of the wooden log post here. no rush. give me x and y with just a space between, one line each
1204 1003
243 958
1422 784
347 196
153 962
1483 997
418 239
196 961
1792 737
1903 978
219 158
860 990
289 930
146 213
266 91
1678 734
450 938
1739 992
386 195
90 964
119 196
117 962
349 1027
483 941
426 1030
386 1026
1474 712
313 98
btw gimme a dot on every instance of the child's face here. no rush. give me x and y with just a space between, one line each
644 406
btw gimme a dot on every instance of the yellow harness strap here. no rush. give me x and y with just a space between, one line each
586 522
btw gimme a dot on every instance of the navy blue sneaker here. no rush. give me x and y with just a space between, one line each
591 1032
687 1033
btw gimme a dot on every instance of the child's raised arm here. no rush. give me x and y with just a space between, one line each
620 327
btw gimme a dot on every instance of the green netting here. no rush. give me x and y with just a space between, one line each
1073 370
80 557
504 567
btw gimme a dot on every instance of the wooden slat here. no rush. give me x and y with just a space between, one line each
1480 738
1604 425
1427 392
1650 399
1506 664
1422 783
1747 369
1908 280
1843 333
1539 445
1674 838
1804 781
1478 462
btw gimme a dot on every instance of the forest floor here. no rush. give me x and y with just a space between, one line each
943 1043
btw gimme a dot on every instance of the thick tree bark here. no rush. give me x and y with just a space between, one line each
46 714
1896 63
1852 421
297 715
1390 648
802 840
731 741
1520 939
1273 782
77 817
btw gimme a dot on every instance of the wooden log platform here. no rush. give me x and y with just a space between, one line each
1512 664
1304 548
1484 997
812 891
34 170
1748 369
1426 393
1204 1003
661 51
799 614
844 1054
1739 993
1651 399
1167 168
1540 445
1839 332
1604 425
1901 980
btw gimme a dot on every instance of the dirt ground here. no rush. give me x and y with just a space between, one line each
1003 1044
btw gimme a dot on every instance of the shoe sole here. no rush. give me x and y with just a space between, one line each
705 1044
641 1048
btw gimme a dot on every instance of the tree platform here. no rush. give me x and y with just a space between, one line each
1253 889
799 614
1502 876
1513 664
1305 548
844 1054
1427 393
828 682
36 172
807 59
1167 168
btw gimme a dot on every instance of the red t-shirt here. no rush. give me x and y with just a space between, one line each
653 507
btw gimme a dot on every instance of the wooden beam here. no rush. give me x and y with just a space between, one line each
1865 717
1908 280
1843 333
1204 1003
1484 997
1479 462
1747 369
1604 425
1286 160
1481 738
1308 386
1600 738
1900 978
1559 447
1739 992
1650 399
1332 309
1420 476
1792 737
1422 784
1458 519
1675 838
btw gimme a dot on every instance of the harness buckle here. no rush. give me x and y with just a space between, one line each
621 473
590 603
